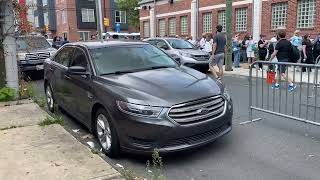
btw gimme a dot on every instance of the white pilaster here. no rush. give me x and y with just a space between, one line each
152 23
256 19
194 20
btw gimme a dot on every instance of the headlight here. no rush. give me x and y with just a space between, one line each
139 110
185 54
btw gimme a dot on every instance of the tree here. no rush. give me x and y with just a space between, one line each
132 12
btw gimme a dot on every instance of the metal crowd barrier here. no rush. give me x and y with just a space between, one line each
301 104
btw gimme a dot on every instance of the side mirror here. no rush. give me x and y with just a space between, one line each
77 70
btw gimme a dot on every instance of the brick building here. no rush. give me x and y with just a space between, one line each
77 18
194 17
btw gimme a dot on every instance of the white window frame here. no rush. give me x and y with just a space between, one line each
207 22
279 17
172 26
241 19
222 19
146 29
85 36
121 13
184 25
306 13
162 27
87 15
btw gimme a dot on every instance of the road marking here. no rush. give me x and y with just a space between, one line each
249 122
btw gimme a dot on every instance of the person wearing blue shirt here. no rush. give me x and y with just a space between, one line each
236 51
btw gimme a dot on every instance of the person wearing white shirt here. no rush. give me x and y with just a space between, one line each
203 41
208 45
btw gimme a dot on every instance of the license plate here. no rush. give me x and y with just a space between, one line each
39 67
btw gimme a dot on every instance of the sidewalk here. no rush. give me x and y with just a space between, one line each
50 152
244 71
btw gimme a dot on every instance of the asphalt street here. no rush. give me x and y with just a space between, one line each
273 148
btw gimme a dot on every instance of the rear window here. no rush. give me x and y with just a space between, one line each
32 43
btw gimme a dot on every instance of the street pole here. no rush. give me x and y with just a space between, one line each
99 19
229 35
10 49
155 18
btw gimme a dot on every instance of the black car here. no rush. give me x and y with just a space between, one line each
136 98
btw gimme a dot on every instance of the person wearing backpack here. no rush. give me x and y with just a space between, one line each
307 52
282 51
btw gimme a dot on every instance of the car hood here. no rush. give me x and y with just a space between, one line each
163 87
194 52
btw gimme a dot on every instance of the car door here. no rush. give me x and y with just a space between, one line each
80 86
58 69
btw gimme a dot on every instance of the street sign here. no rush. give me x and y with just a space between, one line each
118 27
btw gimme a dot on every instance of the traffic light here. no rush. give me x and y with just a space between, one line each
46 27
106 22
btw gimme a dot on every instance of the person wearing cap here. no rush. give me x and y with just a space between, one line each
296 41
218 53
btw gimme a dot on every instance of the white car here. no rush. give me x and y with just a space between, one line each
183 51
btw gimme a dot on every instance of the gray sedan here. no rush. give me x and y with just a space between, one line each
136 98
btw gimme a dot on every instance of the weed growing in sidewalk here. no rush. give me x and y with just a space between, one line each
7 94
94 151
153 172
10 127
41 101
52 120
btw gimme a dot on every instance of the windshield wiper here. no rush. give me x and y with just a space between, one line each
161 67
117 73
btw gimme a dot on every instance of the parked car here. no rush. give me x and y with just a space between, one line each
135 98
183 51
32 51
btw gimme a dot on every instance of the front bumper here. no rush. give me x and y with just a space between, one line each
27 66
143 135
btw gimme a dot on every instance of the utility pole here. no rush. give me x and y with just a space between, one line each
99 19
2 64
9 44
155 18
229 35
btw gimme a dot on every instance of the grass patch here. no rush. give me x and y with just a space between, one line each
52 120
7 94
10 127
26 90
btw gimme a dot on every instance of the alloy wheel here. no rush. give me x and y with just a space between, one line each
103 132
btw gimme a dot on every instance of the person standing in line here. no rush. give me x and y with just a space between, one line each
263 51
316 47
218 53
282 52
236 51
296 41
203 41
307 51
55 43
191 40
243 50
208 44
250 45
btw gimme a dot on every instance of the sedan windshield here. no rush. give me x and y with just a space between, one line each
32 43
180 44
126 59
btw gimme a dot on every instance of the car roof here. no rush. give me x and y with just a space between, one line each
98 44
164 38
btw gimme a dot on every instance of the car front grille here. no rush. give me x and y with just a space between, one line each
199 138
199 110
37 56
201 57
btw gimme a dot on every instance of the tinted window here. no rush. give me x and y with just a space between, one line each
129 58
79 59
64 56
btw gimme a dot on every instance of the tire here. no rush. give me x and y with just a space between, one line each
106 134
49 98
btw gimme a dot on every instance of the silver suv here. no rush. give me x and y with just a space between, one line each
183 51
32 51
